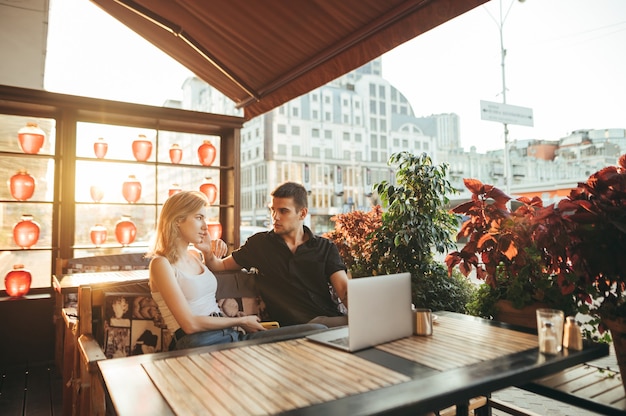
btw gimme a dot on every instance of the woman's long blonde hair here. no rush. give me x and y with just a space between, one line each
176 208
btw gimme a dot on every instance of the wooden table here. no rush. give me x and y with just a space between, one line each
465 357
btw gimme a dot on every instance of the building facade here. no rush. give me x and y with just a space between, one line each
337 140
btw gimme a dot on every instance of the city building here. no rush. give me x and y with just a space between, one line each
337 139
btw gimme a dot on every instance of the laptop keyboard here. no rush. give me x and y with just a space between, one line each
343 341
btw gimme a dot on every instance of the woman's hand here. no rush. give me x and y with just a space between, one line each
251 323
218 247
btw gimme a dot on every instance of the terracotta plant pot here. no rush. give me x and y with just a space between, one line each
98 235
142 148
176 154
206 153
215 230
210 190
618 333
96 193
131 189
26 232
31 138
526 317
22 185
125 231
17 281
100 148
174 189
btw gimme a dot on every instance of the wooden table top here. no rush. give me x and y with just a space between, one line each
465 357
71 282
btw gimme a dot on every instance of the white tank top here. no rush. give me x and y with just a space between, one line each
199 290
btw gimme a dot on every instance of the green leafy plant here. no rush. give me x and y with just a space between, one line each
416 221
403 237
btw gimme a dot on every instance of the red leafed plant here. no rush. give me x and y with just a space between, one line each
352 236
500 247
584 240
495 235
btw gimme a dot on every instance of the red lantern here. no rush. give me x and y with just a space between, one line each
96 193
17 281
125 231
26 232
142 148
131 189
206 153
215 230
100 148
22 185
209 189
176 154
98 235
31 138
174 189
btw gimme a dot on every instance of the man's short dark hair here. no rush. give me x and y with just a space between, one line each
292 190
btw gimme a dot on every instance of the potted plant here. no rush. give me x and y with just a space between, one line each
403 237
352 236
584 241
500 249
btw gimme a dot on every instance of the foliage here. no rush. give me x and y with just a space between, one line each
584 240
520 292
402 238
437 291
416 221
501 249
352 236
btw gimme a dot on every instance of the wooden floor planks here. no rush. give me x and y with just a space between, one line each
31 390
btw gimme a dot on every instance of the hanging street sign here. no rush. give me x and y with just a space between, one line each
505 113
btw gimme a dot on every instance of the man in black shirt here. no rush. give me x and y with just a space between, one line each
301 276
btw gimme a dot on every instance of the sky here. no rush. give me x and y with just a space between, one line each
565 60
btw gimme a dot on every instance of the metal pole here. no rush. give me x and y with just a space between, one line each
507 170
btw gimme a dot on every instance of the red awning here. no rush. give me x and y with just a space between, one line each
262 54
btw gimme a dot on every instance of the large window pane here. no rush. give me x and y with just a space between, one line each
27 167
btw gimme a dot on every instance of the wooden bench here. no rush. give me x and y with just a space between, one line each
88 397
595 386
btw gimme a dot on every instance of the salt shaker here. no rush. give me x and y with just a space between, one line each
572 338
548 339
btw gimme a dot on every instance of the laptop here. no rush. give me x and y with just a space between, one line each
379 311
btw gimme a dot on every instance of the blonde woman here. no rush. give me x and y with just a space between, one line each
184 288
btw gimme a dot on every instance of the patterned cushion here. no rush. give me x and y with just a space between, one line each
127 320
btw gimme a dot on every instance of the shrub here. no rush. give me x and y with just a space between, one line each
403 237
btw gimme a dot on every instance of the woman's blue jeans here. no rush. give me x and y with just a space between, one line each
223 336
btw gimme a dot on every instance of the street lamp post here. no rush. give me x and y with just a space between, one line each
500 23
507 167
